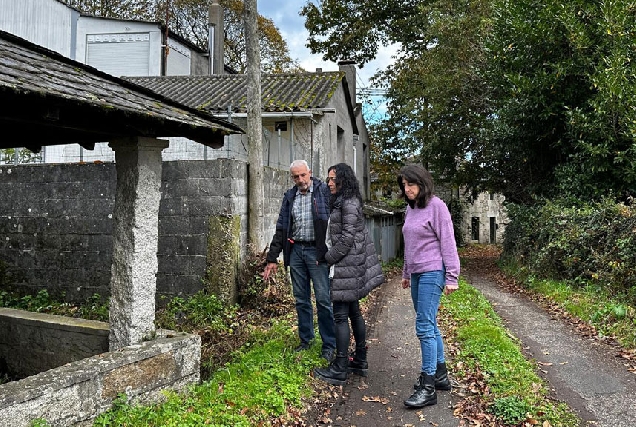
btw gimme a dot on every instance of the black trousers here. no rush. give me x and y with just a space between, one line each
342 313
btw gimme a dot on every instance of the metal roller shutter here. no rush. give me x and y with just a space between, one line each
119 54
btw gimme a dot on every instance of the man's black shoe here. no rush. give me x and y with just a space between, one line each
303 346
328 355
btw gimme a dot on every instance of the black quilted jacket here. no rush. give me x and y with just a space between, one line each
357 269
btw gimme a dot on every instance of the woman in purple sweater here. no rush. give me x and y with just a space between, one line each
431 266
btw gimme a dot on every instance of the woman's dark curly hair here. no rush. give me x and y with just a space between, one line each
416 174
347 184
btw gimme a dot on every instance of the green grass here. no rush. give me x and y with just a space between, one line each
266 380
611 315
516 392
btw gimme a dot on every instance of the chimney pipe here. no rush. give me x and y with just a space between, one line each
216 37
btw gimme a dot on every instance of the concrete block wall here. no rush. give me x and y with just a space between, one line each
55 226
192 191
56 223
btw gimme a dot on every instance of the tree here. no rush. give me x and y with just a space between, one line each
565 88
527 98
354 29
436 101
274 53
119 9
189 19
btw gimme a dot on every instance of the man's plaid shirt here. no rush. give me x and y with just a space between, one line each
302 217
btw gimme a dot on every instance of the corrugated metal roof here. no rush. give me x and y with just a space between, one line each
218 93
57 100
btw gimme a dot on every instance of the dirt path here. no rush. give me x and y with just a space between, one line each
585 373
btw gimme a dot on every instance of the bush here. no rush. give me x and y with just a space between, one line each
585 244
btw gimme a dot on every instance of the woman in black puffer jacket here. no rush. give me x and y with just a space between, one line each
355 270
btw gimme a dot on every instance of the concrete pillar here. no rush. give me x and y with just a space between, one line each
135 235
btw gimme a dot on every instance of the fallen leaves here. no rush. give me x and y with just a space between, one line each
382 400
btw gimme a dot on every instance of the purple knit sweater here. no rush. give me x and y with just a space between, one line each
429 241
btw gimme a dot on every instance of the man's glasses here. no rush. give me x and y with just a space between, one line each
301 175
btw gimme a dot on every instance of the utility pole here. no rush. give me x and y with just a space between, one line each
254 126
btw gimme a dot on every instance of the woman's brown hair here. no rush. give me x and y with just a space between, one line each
417 174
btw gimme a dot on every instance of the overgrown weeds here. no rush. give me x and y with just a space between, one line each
265 384
93 308
226 328
252 376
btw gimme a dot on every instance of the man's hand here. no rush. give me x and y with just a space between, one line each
406 283
270 269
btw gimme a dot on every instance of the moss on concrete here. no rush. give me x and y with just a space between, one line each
223 257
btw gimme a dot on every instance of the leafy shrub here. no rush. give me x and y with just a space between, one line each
582 243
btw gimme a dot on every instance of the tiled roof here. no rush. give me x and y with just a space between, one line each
47 99
220 92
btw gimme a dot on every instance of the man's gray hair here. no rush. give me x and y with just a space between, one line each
297 163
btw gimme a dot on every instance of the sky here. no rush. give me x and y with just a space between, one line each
285 15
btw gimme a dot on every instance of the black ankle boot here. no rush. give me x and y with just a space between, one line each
358 363
441 378
336 372
424 394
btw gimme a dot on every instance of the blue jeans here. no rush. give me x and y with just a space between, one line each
303 269
426 291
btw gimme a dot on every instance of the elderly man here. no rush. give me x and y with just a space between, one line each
300 235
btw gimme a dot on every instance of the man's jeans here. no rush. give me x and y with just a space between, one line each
303 268
426 291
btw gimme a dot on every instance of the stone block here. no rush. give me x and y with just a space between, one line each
77 392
